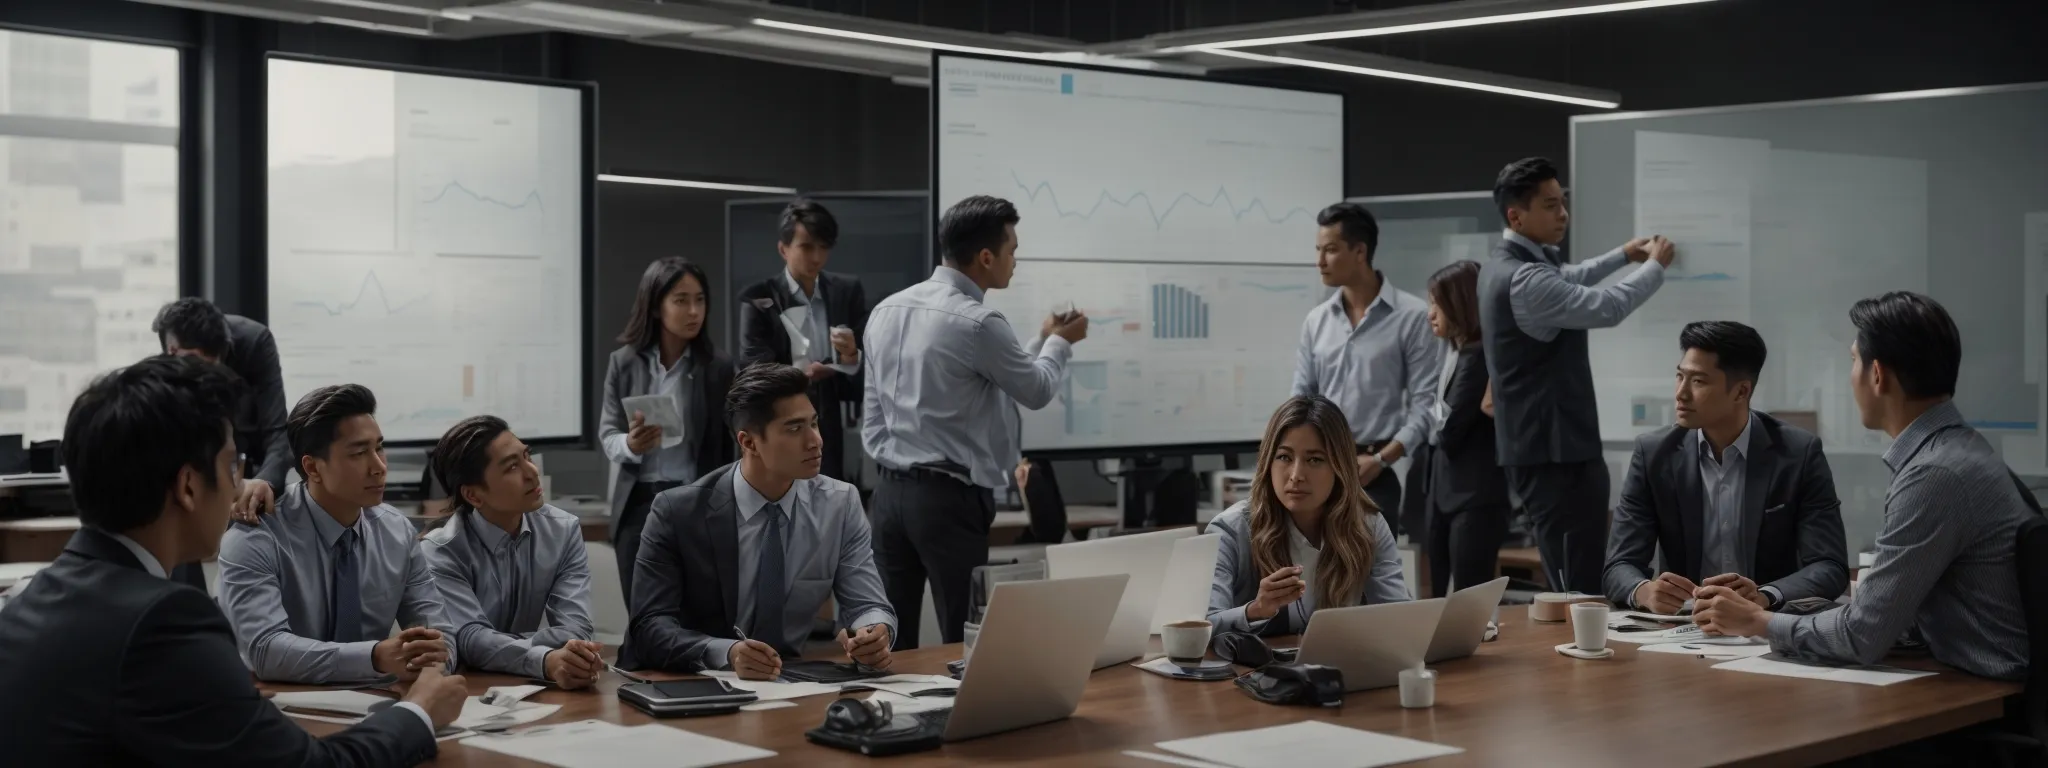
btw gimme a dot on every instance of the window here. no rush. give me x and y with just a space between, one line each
89 218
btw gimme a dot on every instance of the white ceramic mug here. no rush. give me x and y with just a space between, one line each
1589 626
1418 688
1186 641
969 631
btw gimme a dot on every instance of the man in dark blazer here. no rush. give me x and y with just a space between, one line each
760 544
105 661
1729 496
780 322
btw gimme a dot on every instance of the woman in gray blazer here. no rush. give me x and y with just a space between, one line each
1307 538
663 350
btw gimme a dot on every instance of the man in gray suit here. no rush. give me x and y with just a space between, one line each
1730 496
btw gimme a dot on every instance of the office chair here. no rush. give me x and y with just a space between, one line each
1175 499
2022 736
1044 506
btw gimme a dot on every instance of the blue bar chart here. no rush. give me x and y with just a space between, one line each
1178 313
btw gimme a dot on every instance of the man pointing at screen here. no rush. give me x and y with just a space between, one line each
945 375
1369 350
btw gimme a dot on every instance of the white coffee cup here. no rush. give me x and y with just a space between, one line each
1186 641
1589 626
1418 688
969 631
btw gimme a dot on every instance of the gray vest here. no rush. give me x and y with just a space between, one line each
1543 407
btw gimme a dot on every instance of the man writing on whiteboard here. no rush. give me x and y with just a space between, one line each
1534 311
1368 349
945 374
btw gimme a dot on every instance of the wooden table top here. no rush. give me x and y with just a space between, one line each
1514 702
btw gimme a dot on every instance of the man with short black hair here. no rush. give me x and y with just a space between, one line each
194 326
811 319
945 376
1534 311
1369 350
105 661
313 591
758 545
1946 554
1729 496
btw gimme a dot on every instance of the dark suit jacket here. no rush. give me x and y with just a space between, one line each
693 533
627 375
1466 472
763 339
1791 520
259 424
103 664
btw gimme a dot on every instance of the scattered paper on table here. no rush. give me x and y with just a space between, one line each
760 706
1310 742
1689 633
598 744
476 714
340 702
1710 650
1166 666
907 687
1661 618
774 691
505 695
1774 664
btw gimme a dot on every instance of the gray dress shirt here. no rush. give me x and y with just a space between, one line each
1945 559
674 459
499 588
275 582
945 375
1234 586
1723 482
1551 298
814 569
1382 373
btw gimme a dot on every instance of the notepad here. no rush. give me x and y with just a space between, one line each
1310 742
598 744
1871 674
769 690
658 411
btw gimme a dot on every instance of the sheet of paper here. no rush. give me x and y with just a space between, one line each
598 744
1310 742
476 714
1170 759
1686 633
772 691
762 706
505 695
793 324
660 411
1773 664
331 701
909 687
1711 651
1165 666
1654 617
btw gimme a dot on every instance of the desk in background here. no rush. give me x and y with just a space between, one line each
1516 702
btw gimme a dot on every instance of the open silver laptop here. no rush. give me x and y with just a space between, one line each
1370 644
1032 658
1463 625
1144 558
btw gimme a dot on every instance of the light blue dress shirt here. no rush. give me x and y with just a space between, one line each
674 459
1382 373
500 587
1547 298
275 579
817 323
945 375
814 569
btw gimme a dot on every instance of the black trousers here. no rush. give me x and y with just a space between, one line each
930 527
1385 491
626 531
1568 505
1464 544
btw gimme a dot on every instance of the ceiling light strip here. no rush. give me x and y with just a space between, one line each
718 185
1502 18
1411 77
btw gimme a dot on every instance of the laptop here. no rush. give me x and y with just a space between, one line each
1032 658
1370 644
1463 625
1143 557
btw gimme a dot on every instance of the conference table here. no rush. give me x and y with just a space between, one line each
1515 702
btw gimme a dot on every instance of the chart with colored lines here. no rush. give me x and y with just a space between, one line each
425 241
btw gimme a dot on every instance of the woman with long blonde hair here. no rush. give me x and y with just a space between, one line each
1308 538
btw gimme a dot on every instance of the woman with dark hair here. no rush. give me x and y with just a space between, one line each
1308 537
663 351
1468 496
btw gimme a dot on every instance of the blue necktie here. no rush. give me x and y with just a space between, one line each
769 591
347 606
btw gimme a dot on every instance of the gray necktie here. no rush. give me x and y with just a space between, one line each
347 605
769 590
